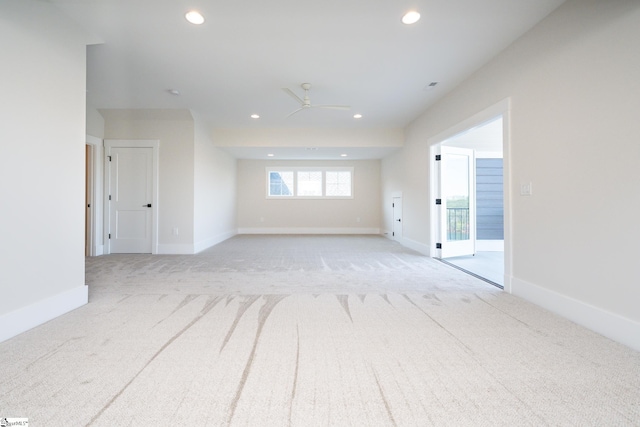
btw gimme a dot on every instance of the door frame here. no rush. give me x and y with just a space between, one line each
502 108
95 179
154 144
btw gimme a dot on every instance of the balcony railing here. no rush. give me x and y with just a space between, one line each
458 224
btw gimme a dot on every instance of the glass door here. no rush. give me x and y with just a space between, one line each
457 202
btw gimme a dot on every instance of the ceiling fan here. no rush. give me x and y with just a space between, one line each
305 102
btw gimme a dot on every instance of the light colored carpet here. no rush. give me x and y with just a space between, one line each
310 331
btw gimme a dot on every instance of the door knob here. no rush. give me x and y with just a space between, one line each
148 205
398 220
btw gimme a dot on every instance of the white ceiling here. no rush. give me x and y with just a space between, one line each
486 137
354 52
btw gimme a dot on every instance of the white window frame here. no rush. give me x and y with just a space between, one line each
295 171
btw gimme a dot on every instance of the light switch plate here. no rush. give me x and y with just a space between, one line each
526 189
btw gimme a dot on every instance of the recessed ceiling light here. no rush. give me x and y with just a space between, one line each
410 17
343 155
357 116
270 155
194 17
255 116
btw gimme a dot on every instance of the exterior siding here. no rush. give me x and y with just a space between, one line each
489 200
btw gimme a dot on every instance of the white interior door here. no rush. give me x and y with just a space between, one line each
397 217
130 199
457 202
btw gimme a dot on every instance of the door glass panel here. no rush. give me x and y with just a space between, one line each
456 169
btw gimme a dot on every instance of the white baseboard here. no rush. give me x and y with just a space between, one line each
98 250
613 326
175 249
308 230
409 243
25 318
212 241
187 249
416 246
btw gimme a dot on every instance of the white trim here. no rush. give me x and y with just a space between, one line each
611 325
212 241
174 249
25 318
189 249
97 176
322 169
127 143
416 246
308 230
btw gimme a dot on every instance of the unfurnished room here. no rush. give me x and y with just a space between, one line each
286 213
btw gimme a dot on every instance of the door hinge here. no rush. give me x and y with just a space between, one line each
438 245
438 201
393 205
393 233
109 236
438 157
109 196
109 157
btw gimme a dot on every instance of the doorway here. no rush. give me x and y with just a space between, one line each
93 196
131 200
481 146
88 200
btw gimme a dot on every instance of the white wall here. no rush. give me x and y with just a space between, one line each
302 137
575 96
257 214
95 122
214 191
42 165
175 130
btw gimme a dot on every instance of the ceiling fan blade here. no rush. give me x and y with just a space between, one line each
333 107
293 95
295 111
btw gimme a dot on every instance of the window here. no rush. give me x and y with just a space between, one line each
281 183
309 183
338 183
313 183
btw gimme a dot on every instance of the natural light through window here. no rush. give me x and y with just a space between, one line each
309 183
281 183
338 183
306 183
